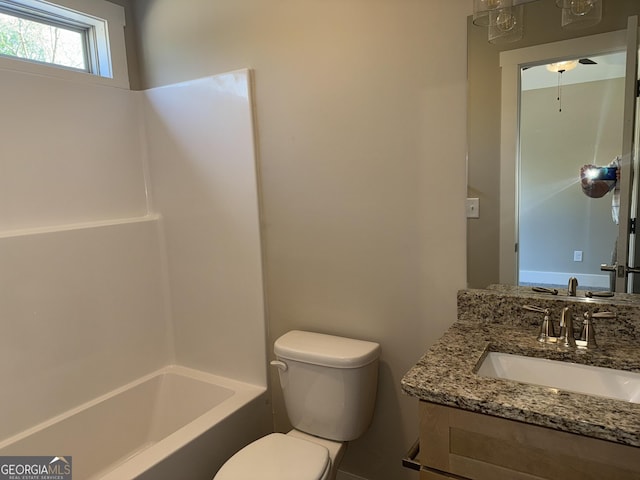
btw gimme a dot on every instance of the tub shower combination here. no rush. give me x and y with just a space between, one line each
136 261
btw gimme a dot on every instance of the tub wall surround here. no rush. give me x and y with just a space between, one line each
99 285
82 308
71 153
82 314
203 177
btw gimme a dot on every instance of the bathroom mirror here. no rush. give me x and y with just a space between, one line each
559 231
570 115
491 254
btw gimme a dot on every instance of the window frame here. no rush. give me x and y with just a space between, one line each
103 23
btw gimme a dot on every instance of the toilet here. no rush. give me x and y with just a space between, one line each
329 385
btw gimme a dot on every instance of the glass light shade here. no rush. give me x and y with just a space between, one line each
562 66
482 8
506 25
580 13
575 4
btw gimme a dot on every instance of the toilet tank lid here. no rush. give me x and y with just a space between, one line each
326 350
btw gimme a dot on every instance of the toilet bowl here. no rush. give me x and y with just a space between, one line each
329 386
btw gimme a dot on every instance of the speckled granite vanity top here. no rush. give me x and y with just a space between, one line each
493 320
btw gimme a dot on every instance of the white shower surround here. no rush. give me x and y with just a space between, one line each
117 261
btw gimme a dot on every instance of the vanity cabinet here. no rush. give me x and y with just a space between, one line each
456 444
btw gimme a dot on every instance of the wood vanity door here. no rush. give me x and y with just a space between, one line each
481 447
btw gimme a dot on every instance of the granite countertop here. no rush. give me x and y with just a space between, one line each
494 321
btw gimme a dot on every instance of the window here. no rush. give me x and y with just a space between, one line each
31 39
70 36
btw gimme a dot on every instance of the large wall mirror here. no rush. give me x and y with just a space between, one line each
570 116
536 225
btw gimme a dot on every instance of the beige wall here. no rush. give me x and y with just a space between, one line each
130 40
556 218
361 126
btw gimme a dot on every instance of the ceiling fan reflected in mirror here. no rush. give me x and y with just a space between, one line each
560 67
565 66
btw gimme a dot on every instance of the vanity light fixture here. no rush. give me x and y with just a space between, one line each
506 24
580 13
504 18
482 8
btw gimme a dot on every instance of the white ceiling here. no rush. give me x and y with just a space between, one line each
608 66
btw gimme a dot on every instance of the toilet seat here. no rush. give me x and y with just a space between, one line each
278 457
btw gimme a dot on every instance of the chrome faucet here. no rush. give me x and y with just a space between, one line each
572 288
567 337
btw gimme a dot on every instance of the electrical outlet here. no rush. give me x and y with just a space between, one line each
473 208
577 255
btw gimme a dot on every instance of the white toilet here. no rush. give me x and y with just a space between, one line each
329 385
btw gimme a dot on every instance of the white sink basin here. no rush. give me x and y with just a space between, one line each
572 377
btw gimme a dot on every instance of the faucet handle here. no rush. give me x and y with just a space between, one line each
551 291
533 308
588 334
546 335
598 294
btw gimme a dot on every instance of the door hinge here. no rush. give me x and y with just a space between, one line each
638 88
632 225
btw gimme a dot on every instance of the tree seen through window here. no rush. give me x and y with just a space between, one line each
30 40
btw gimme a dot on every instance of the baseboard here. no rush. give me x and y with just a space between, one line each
585 280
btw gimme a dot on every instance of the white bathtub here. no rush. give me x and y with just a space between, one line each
176 423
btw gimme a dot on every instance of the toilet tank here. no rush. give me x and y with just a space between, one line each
329 383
